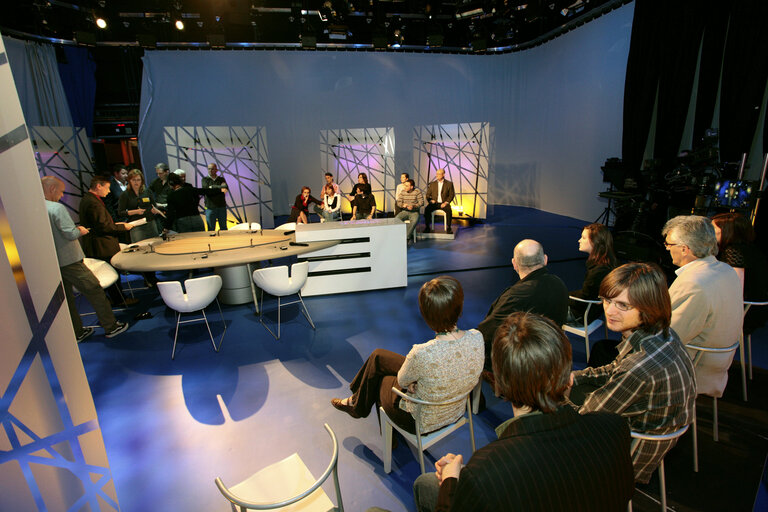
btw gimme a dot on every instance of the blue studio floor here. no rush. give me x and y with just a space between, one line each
171 427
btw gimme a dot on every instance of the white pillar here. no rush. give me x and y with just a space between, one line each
52 454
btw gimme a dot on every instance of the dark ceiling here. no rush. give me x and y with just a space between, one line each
433 25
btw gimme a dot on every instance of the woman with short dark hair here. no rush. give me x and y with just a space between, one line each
447 366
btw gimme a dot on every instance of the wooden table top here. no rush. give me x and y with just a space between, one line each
205 249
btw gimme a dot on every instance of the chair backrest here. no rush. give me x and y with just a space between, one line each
201 291
417 415
275 280
700 351
332 468
245 226
103 271
288 226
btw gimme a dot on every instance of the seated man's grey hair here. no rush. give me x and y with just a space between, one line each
694 231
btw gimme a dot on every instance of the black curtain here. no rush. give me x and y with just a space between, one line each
716 23
666 37
745 70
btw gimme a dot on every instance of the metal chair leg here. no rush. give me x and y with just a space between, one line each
175 335
715 433
743 367
662 487
695 442
306 312
471 424
221 313
209 330
749 354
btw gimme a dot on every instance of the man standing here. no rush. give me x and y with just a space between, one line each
706 298
410 200
537 291
547 457
400 187
117 186
439 196
159 186
216 203
73 270
101 241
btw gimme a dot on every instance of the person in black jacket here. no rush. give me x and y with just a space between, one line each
548 456
537 291
596 241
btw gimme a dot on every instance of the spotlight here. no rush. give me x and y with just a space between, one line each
101 23
179 25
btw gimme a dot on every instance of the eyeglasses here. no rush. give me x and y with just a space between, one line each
621 306
668 245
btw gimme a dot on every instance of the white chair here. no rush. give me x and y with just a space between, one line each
288 226
637 436
445 219
586 328
423 441
246 226
201 291
715 434
275 281
267 489
747 305
105 274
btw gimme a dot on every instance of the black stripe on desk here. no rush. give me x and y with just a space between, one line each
337 257
357 270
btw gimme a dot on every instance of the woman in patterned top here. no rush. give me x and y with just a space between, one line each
444 367
735 238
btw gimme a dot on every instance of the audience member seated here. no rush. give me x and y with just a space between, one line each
537 291
300 208
706 298
597 242
440 193
364 204
137 202
399 188
330 210
410 200
651 382
328 181
362 184
445 367
548 457
735 240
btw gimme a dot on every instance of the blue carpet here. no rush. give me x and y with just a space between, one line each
171 427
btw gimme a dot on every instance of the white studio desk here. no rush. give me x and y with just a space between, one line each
370 255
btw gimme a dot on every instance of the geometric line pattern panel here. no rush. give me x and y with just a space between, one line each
345 153
46 449
242 157
464 151
64 152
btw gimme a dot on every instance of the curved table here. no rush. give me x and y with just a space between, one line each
229 252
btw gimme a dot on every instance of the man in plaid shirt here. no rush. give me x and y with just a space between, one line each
651 382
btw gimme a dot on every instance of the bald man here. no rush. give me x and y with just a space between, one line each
537 291
73 270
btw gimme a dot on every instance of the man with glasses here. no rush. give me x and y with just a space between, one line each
651 382
706 298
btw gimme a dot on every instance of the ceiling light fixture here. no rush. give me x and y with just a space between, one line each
101 23
179 25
